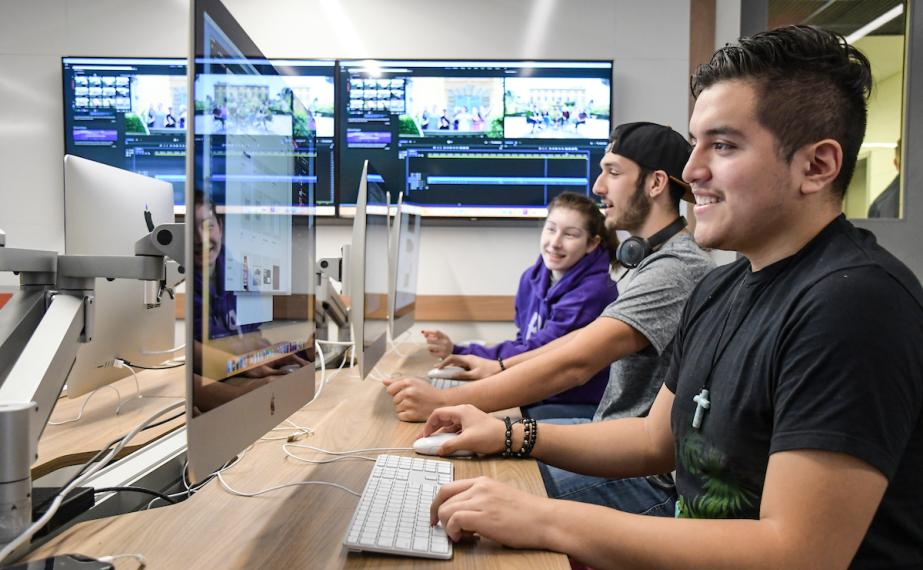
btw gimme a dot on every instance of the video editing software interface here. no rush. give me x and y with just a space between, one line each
474 138
131 113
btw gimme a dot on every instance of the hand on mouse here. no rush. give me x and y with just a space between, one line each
476 367
438 343
479 432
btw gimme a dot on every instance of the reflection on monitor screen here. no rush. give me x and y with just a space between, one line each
405 258
132 113
474 138
252 229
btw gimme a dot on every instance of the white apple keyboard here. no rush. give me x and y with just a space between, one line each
393 513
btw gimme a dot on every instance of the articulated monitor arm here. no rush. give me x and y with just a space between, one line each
41 329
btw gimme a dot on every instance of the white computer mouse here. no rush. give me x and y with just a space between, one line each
447 372
430 445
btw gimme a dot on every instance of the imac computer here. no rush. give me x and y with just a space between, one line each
250 295
104 214
368 277
405 260
132 113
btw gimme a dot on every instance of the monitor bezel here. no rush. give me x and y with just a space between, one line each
216 436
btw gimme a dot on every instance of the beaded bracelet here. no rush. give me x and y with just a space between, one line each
530 433
528 442
500 362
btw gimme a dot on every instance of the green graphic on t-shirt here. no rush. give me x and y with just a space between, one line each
721 496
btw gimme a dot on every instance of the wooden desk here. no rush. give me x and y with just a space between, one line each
74 443
304 526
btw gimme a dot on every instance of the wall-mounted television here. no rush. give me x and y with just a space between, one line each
131 113
473 138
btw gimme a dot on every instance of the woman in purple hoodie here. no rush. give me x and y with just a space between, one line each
564 290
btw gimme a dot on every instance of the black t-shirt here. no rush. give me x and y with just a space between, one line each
822 350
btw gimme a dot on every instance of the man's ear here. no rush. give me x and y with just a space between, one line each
660 183
819 164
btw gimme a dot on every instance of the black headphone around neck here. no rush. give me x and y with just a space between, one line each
633 250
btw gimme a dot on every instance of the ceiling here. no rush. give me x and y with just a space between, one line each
843 16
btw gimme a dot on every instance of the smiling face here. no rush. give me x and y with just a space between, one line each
565 239
623 193
211 238
745 192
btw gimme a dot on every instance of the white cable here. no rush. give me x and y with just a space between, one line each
394 348
168 351
110 559
119 363
84 406
297 432
277 487
348 451
335 342
59 498
349 454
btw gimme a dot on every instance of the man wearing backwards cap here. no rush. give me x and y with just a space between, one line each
640 186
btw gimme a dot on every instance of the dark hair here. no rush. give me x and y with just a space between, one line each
810 85
594 220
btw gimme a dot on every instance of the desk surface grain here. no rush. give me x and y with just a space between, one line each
301 526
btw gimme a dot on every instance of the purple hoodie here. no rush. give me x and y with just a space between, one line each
544 313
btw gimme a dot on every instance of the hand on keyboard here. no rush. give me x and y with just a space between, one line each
495 511
414 399
393 514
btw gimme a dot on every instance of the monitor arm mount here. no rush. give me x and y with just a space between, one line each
329 270
41 329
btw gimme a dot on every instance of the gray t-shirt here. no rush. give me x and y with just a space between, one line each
651 300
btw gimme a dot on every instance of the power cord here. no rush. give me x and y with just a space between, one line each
114 363
106 448
27 534
168 351
119 363
84 406
233 491
139 367
134 489
342 455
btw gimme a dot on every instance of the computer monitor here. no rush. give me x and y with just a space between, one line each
404 263
251 289
131 113
104 215
368 277
474 138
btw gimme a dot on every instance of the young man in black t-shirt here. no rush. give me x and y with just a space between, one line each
793 408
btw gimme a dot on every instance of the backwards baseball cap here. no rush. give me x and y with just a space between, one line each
654 147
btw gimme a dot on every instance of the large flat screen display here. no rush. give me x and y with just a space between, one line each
131 113
474 138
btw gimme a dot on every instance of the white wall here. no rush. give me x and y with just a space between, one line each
648 42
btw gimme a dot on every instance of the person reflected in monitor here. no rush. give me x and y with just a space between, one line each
887 204
225 333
